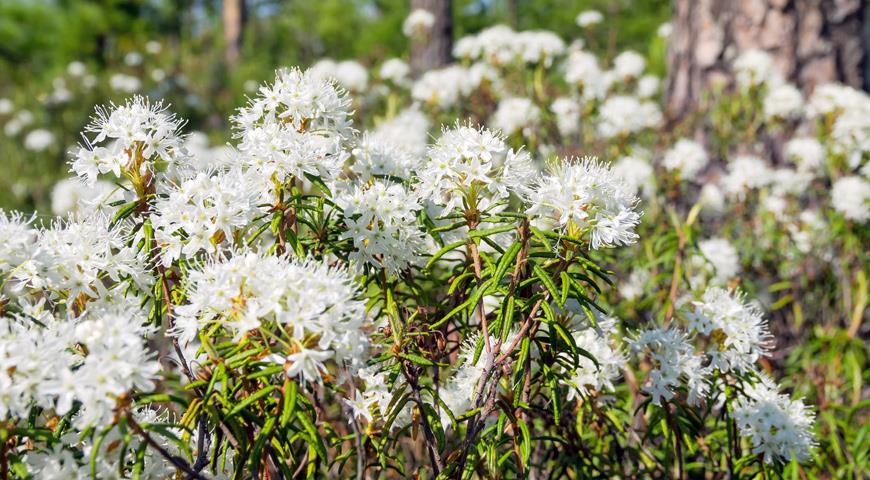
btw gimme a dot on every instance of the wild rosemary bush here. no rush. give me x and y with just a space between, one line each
316 300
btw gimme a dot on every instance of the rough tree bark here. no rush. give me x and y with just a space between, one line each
812 42
234 12
434 50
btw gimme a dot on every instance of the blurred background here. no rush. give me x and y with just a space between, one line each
59 58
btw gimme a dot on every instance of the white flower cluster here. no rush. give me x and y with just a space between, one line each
207 210
73 258
64 461
584 196
90 361
746 173
807 153
779 428
718 258
622 115
673 357
350 74
587 18
475 166
17 240
128 140
418 23
851 197
296 126
687 157
397 71
444 88
600 342
381 221
501 46
783 102
737 331
755 67
516 115
582 69
567 111
316 305
408 131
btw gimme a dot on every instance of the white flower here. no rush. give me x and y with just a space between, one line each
409 131
76 69
316 305
672 358
807 153
17 239
6 106
783 102
475 166
381 221
648 86
582 68
296 126
712 199
377 155
850 134
746 172
622 115
636 173
633 287
153 47
584 196
538 46
348 73
588 18
128 140
124 83
737 330
629 64
38 140
501 46
458 391
72 195
418 23
599 341
778 428
665 30
133 58
206 211
688 157
567 111
516 115
360 405
834 99
76 257
755 67
851 197
397 71
722 256
445 87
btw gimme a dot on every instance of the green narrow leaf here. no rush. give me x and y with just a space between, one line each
506 261
443 251
289 403
251 399
123 213
316 440
260 442
542 275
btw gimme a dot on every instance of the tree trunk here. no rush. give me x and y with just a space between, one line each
433 50
234 20
812 42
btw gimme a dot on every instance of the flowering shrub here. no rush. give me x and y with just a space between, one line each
316 300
